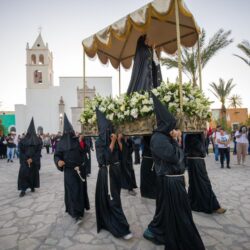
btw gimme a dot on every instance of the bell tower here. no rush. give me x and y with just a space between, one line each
39 65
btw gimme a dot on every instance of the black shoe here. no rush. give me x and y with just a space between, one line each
32 190
78 220
222 166
11 161
228 167
22 194
150 236
8 160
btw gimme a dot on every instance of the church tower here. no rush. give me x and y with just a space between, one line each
39 65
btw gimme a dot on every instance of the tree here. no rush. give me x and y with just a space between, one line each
189 56
235 101
222 90
244 46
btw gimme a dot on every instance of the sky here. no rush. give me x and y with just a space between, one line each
65 23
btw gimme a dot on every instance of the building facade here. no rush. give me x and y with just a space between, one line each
234 117
47 102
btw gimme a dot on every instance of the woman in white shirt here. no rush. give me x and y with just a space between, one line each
223 141
242 144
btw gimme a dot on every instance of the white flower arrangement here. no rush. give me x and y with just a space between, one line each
126 108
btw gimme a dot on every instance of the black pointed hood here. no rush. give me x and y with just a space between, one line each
68 140
194 144
105 127
31 138
165 120
67 127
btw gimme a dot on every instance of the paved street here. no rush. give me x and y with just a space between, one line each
38 220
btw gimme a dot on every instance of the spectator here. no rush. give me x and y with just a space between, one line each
223 141
47 142
242 144
215 141
10 148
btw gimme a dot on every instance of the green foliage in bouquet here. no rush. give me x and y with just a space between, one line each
126 108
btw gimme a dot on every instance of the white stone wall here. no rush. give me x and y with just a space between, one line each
43 104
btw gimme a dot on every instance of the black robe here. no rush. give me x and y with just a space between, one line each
76 195
148 175
28 176
145 73
128 180
109 213
173 223
89 147
200 192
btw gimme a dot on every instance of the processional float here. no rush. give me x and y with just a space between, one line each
168 25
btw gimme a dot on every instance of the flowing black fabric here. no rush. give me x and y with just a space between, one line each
109 213
172 224
128 180
145 73
28 176
89 147
200 192
180 231
76 195
165 120
148 175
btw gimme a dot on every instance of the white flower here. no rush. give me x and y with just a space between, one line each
134 113
122 108
110 116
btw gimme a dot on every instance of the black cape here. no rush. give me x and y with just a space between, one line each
148 175
173 223
128 180
109 213
29 147
68 150
146 74
200 192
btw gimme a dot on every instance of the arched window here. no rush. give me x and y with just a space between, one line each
33 59
41 59
38 77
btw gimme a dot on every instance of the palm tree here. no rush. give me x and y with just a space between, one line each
189 56
222 90
235 101
244 46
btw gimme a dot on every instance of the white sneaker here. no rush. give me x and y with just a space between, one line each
128 236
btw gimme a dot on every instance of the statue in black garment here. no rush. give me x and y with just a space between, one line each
146 72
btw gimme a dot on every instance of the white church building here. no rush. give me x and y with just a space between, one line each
47 102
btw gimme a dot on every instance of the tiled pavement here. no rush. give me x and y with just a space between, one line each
38 220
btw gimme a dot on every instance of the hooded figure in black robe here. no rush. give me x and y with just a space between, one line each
30 154
200 192
109 213
148 175
128 180
146 72
70 158
173 223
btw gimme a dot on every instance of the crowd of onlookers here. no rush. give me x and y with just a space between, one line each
222 141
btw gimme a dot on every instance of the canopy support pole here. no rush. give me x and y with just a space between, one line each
119 71
84 78
199 63
179 53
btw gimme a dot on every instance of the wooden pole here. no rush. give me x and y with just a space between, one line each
119 71
84 78
199 63
179 53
